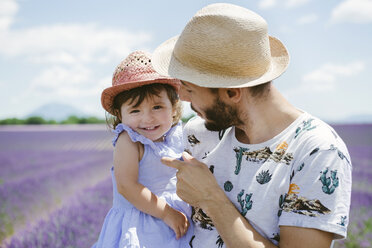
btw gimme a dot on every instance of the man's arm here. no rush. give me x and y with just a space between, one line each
234 229
292 236
197 186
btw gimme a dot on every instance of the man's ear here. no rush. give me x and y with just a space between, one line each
231 94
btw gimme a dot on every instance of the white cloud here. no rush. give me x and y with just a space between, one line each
62 43
94 107
324 78
295 3
8 8
353 11
69 55
285 29
307 19
95 89
69 81
52 57
266 4
56 78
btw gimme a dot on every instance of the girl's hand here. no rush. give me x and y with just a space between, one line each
176 220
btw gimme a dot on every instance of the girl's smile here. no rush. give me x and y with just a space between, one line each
150 128
152 118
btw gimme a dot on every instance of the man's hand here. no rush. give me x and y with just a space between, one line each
195 183
197 186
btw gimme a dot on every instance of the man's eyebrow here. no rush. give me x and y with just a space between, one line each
182 82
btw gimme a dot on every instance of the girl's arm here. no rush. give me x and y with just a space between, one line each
126 161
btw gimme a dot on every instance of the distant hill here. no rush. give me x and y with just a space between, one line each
360 119
56 111
357 119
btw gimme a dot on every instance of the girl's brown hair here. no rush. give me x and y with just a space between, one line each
139 94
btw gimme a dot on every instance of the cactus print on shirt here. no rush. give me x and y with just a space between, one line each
301 177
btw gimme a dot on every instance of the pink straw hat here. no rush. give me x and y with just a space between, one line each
134 71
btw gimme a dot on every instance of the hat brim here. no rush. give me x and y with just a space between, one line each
108 95
165 63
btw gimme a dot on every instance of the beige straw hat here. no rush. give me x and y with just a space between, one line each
223 46
134 71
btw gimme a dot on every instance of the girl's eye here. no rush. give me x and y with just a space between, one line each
157 107
134 111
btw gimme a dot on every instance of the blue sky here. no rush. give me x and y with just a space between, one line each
66 51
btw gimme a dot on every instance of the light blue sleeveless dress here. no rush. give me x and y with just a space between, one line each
125 225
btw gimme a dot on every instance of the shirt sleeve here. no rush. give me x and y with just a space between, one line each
320 190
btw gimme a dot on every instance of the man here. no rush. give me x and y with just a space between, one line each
261 173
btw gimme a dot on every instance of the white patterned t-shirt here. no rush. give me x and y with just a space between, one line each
301 177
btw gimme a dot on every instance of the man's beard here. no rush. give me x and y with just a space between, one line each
220 116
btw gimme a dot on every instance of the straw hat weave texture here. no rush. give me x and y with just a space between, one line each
134 71
223 46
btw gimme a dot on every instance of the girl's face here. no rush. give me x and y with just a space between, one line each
152 118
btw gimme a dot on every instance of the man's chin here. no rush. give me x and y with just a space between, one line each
211 126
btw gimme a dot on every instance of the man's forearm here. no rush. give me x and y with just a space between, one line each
234 229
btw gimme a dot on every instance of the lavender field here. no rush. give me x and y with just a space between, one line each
55 185
358 139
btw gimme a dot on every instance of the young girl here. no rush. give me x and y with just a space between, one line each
146 211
